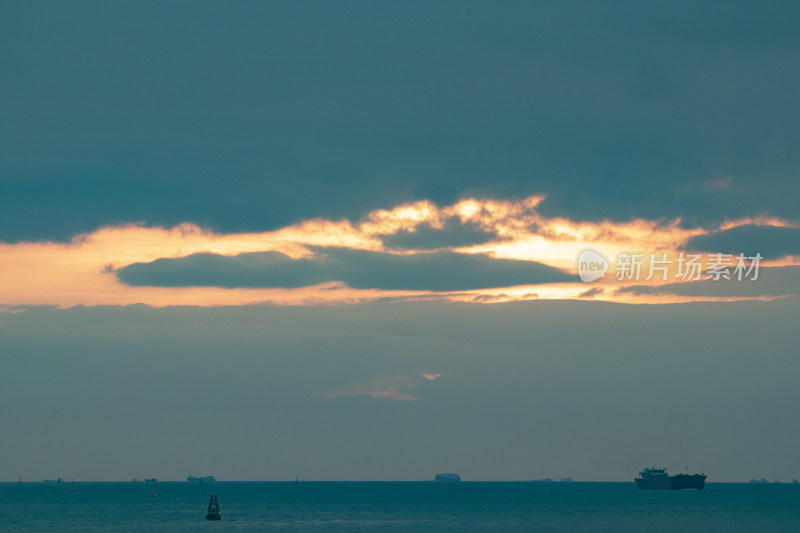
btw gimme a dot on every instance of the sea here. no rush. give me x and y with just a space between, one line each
397 506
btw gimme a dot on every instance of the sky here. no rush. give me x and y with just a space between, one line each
383 240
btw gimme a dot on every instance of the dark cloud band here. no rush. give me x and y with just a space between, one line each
772 242
439 271
452 234
772 282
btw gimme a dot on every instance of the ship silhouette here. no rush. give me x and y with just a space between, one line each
658 478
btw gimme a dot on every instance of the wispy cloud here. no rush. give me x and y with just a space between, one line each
591 293
392 393
394 388
717 184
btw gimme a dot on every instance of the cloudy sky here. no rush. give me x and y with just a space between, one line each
381 240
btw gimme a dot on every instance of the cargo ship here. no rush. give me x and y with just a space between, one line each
448 478
657 478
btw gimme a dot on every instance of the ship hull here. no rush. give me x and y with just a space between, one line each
679 482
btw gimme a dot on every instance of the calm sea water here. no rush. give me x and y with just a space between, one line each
398 506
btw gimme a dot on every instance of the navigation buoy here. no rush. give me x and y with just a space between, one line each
213 509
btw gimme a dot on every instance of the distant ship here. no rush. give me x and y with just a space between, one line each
149 480
448 478
657 478
200 480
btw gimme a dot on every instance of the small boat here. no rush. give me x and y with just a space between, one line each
213 509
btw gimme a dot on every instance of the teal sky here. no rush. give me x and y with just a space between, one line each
249 116
288 125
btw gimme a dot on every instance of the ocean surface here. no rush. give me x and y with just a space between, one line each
397 506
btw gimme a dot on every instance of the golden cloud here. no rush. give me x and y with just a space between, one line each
82 271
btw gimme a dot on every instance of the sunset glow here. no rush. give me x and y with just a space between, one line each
82 272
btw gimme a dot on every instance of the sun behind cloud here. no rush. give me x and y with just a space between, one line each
455 249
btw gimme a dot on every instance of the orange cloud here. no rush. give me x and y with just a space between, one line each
82 272
391 394
379 389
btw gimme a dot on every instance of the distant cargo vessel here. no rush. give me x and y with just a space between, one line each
448 478
657 478
200 480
